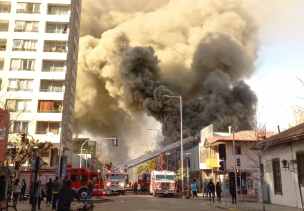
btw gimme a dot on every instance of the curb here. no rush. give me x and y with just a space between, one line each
226 208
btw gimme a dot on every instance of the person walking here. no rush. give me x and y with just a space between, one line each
135 188
194 189
10 188
65 197
49 189
39 194
206 191
211 189
218 192
233 192
17 191
56 188
2 187
90 191
22 195
31 192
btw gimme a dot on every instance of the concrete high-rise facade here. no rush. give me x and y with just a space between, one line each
38 68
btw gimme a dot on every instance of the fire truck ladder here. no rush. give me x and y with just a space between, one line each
153 154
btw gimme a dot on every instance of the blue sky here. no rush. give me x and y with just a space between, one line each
280 59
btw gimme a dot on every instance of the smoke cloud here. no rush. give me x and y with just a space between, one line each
131 55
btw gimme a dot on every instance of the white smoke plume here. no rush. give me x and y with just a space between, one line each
131 54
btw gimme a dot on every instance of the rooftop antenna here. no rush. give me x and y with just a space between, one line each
279 130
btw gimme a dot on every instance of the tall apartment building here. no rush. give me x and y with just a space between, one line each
38 68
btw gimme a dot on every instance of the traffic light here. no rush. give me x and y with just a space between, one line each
221 165
13 152
238 162
237 171
23 138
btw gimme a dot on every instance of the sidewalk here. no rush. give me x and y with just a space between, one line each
249 205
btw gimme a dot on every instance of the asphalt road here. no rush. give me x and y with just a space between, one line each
150 203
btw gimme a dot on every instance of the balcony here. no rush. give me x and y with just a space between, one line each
26 30
21 11
49 106
24 49
21 69
212 162
56 69
54 89
17 89
59 13
59 50
28 8
56 31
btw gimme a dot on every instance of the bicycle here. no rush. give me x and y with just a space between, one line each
8 208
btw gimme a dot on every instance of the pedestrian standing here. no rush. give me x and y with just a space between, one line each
10 188
233 192
49 189
211 189
206 191
2 187
90 191
23 184
65 197
38 195
31 193
17 191
218 192
194 189
135 188
56 188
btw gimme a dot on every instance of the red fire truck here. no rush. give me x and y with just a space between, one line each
162 183
80 178
144 182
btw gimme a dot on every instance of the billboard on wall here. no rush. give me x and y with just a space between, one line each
4 130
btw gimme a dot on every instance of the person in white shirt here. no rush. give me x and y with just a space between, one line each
16 192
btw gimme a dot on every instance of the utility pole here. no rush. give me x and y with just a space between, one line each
235 174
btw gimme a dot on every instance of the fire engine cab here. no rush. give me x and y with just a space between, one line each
80 178
116 182
144 182
162 183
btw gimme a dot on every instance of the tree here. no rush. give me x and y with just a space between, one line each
179 173
151 165
298 116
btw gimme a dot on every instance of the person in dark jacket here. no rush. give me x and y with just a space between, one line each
49 189
10 188
233 192
56 188
90 191
31 193
65 197
39 194
218 192
2 187
211 189
23 184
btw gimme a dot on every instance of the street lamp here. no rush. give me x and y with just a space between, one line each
181 123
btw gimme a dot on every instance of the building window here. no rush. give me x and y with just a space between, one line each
20 127
277 176
28 8
20 85
24 45
51 86
71 119
238 150
5 7
4 26
53 66
300 164
26 26
47 127
70 135
55 46
2 45
49 106
1 64
58 10
18 105
56 28
23 64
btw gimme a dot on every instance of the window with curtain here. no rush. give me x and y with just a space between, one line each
46 106
28 26
3 26
277 176
21 127
22 64
54 128
46 86
42 128
53 66
20 84
57 86
56 28
10 105
58 10
5 8
28 8
1 64
19 25
13 84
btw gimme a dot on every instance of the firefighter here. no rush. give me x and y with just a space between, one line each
135 188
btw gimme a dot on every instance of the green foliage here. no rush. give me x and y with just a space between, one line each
149 166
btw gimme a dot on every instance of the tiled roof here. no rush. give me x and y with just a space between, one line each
287 134
247 135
